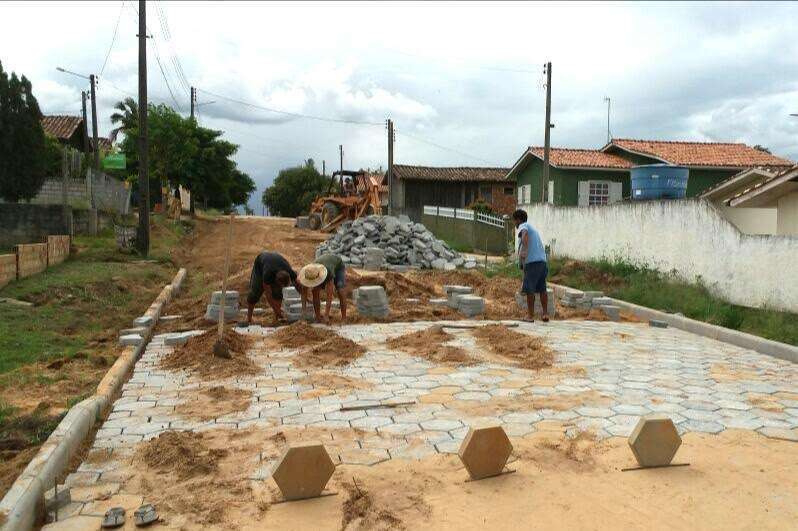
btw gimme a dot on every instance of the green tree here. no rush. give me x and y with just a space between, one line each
126 119
23 149
184 154
294 189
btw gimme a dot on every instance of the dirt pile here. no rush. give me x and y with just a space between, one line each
183 453
334 352
429 344
215 402
528 352
197 356
300 335
360 512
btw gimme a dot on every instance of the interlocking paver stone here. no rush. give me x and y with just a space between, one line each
441 425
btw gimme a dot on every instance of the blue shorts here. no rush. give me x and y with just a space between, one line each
535 274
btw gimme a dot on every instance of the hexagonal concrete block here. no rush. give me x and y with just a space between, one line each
654 441
303 471
485 451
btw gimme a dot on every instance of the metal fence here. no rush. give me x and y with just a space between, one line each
468 228
467 215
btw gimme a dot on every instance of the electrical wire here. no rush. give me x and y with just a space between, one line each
445 148
287 113
113 39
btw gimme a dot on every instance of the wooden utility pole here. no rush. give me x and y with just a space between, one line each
85 125
93 82
143 235
324 168
390 166
609 137
341 149
193 100
547 139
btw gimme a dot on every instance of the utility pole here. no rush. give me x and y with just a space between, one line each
609 137
143 235
193 100
324 168
390 166
93 81
85 124
341 149
547 138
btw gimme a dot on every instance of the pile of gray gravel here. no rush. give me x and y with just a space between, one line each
403 243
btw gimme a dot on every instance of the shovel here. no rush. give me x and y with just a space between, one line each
220 349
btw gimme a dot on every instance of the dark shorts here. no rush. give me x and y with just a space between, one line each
535 274
340 278
256 288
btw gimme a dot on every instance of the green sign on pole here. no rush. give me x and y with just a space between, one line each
115 161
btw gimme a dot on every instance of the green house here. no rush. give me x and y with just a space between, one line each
584 177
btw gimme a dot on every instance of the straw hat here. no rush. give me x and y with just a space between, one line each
312 275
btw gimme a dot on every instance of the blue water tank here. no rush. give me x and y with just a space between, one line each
659 181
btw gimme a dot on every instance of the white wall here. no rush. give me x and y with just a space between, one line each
788 216
689 237
751 220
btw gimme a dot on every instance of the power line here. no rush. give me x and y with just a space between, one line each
287 113
113 39
160 65
439 146
167 36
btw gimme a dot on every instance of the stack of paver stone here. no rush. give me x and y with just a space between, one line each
302 222
292 304
372 301
587 300
453 293
230 306
470 305
374 259
520 299
404 243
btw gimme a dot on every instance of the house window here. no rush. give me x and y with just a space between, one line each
485 193
509 190
599 193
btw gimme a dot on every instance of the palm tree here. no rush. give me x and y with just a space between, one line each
127 118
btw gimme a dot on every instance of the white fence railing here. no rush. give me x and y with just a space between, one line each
467 215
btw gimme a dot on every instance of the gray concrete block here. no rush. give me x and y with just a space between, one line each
130 340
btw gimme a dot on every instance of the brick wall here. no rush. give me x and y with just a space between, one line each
24 223
57 249
503 203
8 268
31 259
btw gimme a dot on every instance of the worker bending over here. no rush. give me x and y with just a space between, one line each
326 273
270 274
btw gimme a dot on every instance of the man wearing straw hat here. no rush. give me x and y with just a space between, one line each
327 272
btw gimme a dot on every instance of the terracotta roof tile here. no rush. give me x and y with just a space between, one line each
701 153
60 126
452 174
581 158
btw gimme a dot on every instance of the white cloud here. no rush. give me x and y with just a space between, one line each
451 73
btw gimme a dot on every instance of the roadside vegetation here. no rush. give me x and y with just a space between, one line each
664 292
58 335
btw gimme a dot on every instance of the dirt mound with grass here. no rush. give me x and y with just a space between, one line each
334 352
214 402
429 344
197 356
183 453
526 351
300 335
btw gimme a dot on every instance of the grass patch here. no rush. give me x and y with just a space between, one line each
460 247
665 292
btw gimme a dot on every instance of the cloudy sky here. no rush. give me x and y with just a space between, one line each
462 82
